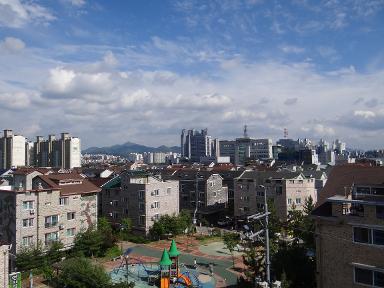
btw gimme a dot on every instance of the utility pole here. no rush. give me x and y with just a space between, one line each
254 236
196 198
267 261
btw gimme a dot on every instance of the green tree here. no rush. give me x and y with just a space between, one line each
81 273
105 229
231 240
89 243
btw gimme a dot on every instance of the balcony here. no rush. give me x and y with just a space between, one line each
49 225
353 209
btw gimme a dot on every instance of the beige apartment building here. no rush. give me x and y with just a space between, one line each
56 208
350 229
141 197
287 189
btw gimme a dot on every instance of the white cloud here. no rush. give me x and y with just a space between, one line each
16 13
16 100
365 114
292 49
11 44
77 3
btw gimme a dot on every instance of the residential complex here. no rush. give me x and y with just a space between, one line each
141 197
289 190
41 208
15 151
64 152
350 229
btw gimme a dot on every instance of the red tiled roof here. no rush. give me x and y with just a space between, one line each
347 176
69 189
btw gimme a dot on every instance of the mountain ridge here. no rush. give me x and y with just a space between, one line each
129 147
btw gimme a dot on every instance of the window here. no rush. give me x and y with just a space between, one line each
156 204
27 240
141 206
28 222
378 237
298 200
279 190
71 232
260 206
115 215
291 181
115 203
28 205
71 215
300 181
212 184
142 220
141 194
126 211
260 193
368 236
51 237
156 217
169 190
125 199
63 201
380 212
51 221
361 235
214 194
369 277
289 201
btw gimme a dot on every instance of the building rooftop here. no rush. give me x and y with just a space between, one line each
344 177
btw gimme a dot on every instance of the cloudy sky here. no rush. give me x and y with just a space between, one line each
140 71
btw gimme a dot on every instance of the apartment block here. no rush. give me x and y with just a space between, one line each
350 229
210 196
287 189
59 153
55 208
141 197
12 150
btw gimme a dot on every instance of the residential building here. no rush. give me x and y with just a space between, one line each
350 228
59 153
211 197
141 197
29 154
287 189
12 150
56 208
195 145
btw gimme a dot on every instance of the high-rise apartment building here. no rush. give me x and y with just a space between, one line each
62 153
195 144
12 150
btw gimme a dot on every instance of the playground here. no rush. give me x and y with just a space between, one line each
165 273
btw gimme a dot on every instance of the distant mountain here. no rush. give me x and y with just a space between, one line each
129 147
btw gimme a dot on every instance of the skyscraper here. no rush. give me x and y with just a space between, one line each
195 144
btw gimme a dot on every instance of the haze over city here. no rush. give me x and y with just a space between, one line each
140 71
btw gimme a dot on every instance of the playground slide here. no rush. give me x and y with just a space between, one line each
164 283
186 280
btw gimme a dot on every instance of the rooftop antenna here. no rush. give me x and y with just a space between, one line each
285 133
245 131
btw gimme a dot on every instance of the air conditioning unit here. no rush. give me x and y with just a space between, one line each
32 211
111 203
152 193
111 214
152 205
61 227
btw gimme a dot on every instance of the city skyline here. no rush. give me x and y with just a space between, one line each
116 72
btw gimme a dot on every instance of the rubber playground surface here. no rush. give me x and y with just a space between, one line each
146 259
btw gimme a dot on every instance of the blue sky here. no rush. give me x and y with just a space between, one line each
140 71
